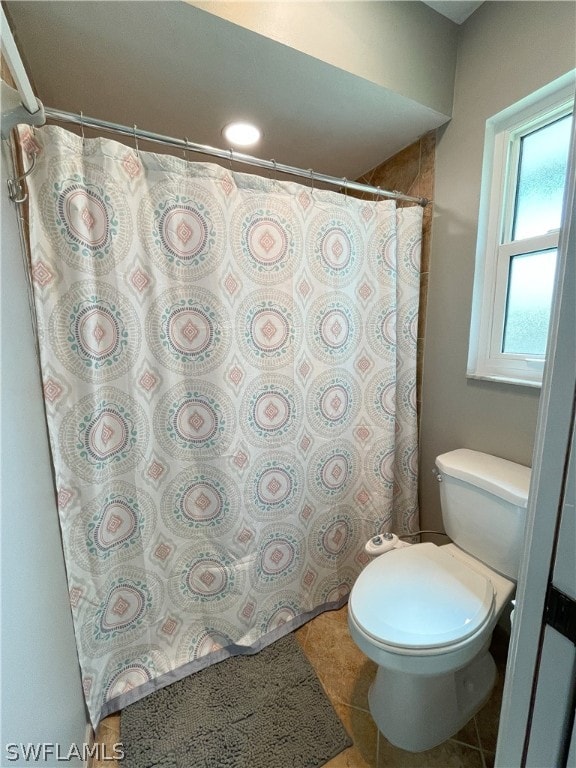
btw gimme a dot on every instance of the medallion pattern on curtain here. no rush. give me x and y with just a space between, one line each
229 371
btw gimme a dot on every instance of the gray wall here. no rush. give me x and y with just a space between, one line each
506 51
404 46
42 698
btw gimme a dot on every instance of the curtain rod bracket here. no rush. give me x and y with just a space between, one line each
14 112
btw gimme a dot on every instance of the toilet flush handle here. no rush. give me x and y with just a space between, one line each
437 474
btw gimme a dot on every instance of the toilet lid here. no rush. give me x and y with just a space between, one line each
420 597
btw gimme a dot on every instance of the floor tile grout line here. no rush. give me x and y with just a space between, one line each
480 742
334 701
464 744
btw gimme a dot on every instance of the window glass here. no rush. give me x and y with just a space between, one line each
541 178
530 286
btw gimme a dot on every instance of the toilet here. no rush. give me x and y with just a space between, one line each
425 613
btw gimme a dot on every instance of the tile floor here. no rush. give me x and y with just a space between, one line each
346 675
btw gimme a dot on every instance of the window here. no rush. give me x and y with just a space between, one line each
525 160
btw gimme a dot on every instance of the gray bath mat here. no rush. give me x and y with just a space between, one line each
267 710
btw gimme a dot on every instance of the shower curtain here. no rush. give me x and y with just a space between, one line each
229 372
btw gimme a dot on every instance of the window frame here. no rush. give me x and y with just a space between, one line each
495 249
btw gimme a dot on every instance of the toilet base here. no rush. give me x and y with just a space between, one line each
418 712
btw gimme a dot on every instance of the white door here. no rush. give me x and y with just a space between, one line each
554 693
537 720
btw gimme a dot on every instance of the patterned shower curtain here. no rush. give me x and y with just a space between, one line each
229 372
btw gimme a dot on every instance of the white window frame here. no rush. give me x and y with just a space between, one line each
494 246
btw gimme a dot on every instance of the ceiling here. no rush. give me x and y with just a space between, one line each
455 10
180 71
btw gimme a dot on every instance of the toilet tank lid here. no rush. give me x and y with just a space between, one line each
503 478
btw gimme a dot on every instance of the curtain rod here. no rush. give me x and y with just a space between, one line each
225 154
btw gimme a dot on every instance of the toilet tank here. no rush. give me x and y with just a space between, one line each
484 501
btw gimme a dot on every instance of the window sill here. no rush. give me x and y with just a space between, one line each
501 379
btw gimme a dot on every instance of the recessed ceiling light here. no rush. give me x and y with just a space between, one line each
241 134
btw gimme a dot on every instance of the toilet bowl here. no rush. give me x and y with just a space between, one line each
425 614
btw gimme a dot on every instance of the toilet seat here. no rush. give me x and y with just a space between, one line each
421 599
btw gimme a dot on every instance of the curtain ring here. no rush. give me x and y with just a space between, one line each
186 149
230 159
135 140
346 188
82 129
311 172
